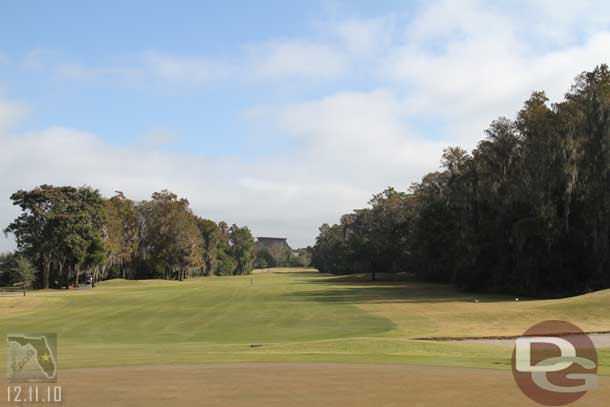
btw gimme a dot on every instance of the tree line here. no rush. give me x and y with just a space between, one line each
526 212
68 232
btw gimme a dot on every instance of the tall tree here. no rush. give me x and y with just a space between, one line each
59 228
171 239
122 234
242 249
210 236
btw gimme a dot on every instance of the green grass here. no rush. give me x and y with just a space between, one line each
295 316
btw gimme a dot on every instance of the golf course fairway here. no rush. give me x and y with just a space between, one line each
285 315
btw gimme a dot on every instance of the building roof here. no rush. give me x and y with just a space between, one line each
271 238
273 242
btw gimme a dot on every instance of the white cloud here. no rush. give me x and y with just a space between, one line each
81 72
158 137
39 58
138 68
355 141
285 59
465 63
362 129
268 61
365 37
57 64
10 114
565 22
186 69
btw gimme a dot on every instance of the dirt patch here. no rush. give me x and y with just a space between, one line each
287 385
600 339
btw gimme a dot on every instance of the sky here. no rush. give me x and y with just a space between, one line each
277 115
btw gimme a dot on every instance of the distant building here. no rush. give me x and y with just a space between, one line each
278 247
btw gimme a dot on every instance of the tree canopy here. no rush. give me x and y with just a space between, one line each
66 232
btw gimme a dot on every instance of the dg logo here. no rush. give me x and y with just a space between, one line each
555 363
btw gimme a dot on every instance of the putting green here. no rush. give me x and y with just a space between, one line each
289 316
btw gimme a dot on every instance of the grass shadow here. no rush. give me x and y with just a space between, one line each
353 289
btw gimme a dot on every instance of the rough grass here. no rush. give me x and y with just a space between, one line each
296 315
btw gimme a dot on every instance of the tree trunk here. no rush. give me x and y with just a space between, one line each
77 273
46 273
62 276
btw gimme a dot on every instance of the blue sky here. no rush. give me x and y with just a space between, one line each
96 35
273 114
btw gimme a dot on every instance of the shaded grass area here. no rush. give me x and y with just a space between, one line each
435 310
295 316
